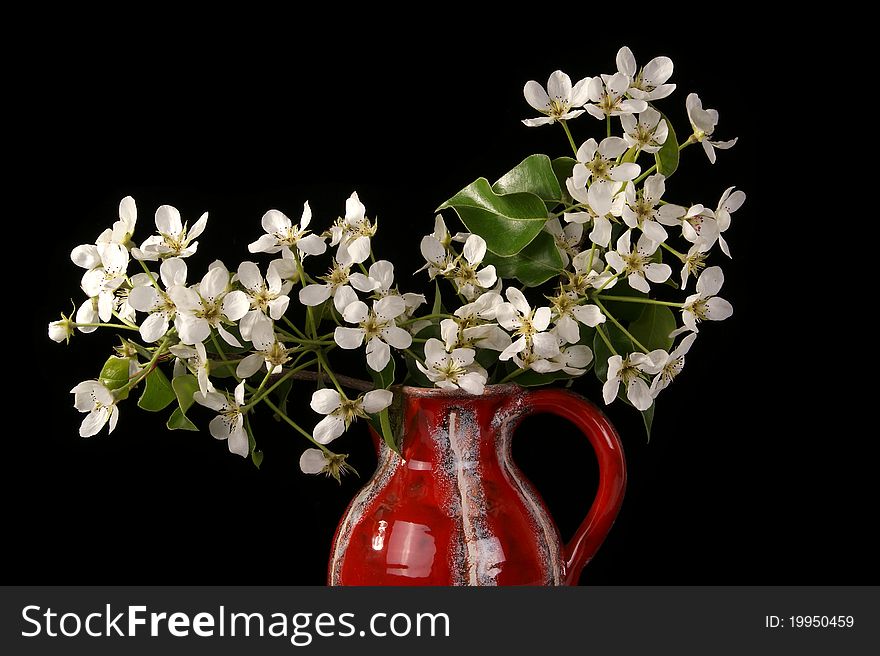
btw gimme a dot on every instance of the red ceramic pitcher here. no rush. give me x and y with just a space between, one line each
456 510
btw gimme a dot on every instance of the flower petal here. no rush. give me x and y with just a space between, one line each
378 354
325 401
377 400
348 338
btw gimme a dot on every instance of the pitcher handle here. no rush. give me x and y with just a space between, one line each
612 472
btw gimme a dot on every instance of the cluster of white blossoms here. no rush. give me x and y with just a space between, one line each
233 339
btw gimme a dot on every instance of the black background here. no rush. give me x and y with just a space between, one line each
752 475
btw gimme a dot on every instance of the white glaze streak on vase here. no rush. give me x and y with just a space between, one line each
484 555
554 568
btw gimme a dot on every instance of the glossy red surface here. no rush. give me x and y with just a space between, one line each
455 509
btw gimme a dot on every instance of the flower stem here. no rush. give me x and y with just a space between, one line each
512 375
290 374
620 325
608 125
150 276
147 369
329 371
636 299
690 140
644 175
605 339
414 356
680 256
570 138
425 317
295 426
106 325
293 327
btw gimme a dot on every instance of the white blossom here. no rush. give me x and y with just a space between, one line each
62 329
671 364
596 163
703 122
229 423
313 461
597 202
648 133
636 262
698 225
267 298
607 95
157 303
567 239
464 333
376 327
88 257
630 371
196 359
705 305
102 281
516 316
648 83
641 209
557 103
730 202
439 259
694 261
338 283
572 360
352 233
567 312
174 238
452 370
589 273
93 397
209 305
273 354
341 412
469 279
282 234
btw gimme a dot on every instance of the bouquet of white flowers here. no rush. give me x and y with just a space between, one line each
565 264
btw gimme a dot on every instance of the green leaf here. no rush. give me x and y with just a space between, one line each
534 175
667 156
256 454
533 265
562 167
415 375
648 419
652 328
178 421
385 378
184 387
114 375
623 310
534 379
281 393
437 308
158 393
508 223
621 343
